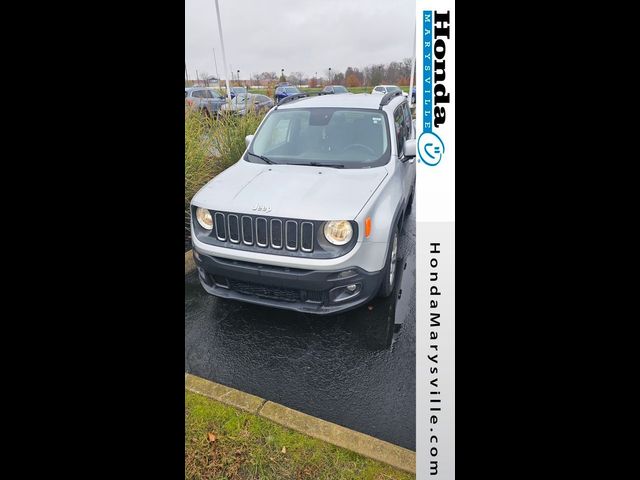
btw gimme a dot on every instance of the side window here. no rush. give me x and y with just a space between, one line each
407 119
198 94
278 91
398 120
379 89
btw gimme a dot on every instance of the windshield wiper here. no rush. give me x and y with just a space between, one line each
263 158
318 164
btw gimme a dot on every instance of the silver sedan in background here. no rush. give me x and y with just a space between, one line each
248 101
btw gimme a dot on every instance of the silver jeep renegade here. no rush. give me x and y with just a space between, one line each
308 219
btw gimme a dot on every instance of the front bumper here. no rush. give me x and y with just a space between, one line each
308 291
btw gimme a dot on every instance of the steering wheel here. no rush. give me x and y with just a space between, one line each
361 146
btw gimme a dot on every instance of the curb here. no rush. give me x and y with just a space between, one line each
189 262
366 445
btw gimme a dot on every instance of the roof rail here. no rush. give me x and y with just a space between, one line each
386 99
291 98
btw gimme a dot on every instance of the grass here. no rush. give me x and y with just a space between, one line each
248 447
211 146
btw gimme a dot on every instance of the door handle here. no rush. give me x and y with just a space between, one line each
412 160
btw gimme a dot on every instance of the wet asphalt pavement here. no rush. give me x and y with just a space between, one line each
355 369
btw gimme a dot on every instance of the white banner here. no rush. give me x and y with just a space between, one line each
435 239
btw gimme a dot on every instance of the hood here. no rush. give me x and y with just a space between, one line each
291 191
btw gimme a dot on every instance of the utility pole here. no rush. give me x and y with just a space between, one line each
224 57
186 72
197 77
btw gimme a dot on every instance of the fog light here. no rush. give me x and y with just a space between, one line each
345 292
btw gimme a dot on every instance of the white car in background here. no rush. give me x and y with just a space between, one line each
384 89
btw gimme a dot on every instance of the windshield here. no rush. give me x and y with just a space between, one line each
393 89
339 89
346 138
291 90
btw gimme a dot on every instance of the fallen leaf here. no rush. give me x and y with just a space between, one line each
284 449
211 437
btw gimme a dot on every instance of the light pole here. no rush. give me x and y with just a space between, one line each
238 77
329 75
281 73
224 57
413 67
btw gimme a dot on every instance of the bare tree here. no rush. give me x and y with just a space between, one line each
296 78
204 76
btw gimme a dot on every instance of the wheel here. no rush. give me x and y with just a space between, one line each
390 270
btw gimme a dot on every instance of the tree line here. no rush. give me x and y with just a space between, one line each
395 73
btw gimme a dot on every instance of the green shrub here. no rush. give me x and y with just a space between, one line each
210 146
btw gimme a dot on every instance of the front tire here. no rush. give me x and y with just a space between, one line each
390 271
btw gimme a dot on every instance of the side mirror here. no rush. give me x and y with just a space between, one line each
409 149
248 139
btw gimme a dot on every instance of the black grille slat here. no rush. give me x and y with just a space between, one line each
269 291
276 233
247 230
291 234
234 228
221 231
306 237
261 232
248 288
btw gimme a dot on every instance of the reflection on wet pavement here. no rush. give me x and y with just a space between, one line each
356 369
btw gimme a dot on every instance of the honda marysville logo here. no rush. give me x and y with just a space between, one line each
436 98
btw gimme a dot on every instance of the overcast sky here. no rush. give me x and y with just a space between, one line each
305 36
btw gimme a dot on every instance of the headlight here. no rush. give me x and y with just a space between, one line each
338 232
204 218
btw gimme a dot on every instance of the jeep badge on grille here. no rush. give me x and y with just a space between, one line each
261 208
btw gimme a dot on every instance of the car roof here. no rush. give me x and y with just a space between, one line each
346 100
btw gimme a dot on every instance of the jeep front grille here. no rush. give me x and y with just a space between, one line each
273 235
276 233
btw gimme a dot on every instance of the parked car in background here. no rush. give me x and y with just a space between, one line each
413 95
286 91
207 100
330 89
308 218
250 101
383 89
238 91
